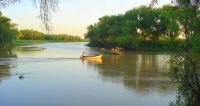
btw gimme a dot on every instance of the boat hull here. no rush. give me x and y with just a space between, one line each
92 57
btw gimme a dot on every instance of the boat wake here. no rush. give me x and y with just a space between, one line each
12 62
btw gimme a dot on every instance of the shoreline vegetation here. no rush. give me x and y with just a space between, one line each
149 46
164 29
32 42
11 36
28 37
168 29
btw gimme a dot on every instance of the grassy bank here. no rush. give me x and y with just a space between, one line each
31 42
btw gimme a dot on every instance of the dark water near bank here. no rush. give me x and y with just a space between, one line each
53 75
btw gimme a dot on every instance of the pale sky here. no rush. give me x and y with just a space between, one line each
73 16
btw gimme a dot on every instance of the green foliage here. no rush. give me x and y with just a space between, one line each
169 18
195 44
184 2
188 16
158 27
8 30
63 37
35 35
145 22
185 67
128 42
31 35
130 27
185 72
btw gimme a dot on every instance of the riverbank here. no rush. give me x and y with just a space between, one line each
145 46
31 42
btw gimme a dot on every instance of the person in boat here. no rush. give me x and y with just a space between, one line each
84 54
115 49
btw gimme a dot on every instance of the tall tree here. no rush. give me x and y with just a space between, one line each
8 30
171 21
146 19
187 16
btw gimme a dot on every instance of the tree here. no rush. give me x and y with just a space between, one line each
131 23
171 21
146 19
187 16
31 35
130 27
8 30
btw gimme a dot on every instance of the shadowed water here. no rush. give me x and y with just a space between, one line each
53 75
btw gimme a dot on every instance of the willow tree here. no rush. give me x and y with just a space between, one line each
47 7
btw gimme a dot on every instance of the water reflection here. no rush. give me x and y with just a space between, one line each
185 72
9 59
4 71
96 61
6 63
7 53
28 50
135 79
137 71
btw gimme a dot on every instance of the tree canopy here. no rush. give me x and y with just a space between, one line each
147 23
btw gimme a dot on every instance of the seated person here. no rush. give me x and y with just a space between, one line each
84 54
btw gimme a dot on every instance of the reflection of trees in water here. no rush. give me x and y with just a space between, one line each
186 73
5 62
29 50
141 72
6 52
4 71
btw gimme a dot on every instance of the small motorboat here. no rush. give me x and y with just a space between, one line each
92 57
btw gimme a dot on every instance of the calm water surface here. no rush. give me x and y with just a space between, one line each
53 75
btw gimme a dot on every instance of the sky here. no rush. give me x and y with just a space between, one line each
73 16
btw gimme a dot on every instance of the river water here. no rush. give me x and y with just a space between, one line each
53 75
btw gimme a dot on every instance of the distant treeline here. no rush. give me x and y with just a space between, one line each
35 35
9 33
146 27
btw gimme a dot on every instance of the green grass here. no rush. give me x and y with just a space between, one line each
32 42
28 42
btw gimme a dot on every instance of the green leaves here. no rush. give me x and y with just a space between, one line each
35 35
8 30
151 24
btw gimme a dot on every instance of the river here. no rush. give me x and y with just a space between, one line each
53 75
